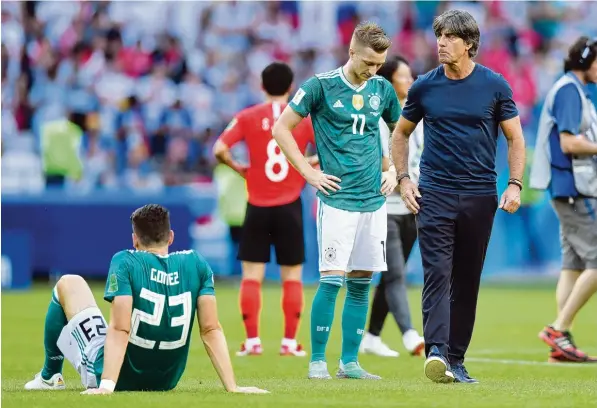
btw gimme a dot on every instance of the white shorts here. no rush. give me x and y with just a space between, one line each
350 241
81 340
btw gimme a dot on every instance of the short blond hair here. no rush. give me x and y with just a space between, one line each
371 35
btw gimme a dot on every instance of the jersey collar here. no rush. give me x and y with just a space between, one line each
351 86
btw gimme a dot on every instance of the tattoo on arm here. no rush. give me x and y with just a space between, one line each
399 149
391 126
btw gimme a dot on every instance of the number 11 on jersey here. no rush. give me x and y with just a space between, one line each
356 118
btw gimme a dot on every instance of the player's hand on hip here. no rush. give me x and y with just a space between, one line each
97 391
510 201
323 182
388 182
409 193
242 170
249 390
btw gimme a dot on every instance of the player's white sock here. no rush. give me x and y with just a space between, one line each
373 345
252 342
290 343
413 341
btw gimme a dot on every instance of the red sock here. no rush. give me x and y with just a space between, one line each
250 306
292 305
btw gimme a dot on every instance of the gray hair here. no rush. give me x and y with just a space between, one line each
461 24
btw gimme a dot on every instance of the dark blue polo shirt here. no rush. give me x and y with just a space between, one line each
461 121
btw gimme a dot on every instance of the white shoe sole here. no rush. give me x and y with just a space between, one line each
319 376
437 371
341 375
44 388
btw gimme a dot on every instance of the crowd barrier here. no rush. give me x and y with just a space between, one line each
59 232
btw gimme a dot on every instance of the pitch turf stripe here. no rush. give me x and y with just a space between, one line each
528 362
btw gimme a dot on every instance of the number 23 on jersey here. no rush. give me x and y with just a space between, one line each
155 319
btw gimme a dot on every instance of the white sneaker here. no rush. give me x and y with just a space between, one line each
413 342
38 383
290 347
318 370
373 345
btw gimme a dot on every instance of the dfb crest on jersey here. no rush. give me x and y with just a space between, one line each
358 102
374 102
330 254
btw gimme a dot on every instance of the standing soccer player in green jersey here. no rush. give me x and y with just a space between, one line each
154 295
345 106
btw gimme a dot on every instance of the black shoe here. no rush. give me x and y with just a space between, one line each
437 367
461 375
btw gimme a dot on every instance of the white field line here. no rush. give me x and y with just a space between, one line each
477 357
518 352
528 362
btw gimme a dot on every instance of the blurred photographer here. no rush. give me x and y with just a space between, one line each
565 164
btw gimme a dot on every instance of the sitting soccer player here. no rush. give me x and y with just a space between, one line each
153 297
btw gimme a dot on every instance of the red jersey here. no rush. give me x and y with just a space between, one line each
271 180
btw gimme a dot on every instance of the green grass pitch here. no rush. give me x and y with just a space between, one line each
505 355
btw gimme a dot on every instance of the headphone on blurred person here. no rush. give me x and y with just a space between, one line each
587 54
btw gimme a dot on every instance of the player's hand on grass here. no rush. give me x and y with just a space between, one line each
249 390
97 391
510 201
323 182
388 182
410 193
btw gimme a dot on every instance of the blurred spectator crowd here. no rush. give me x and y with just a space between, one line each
152 84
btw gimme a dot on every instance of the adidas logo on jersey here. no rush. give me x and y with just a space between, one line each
338 104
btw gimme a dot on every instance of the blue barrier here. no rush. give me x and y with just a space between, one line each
63 232
16 259
72 233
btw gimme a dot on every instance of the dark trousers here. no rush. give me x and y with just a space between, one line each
454 232
391 294
55 180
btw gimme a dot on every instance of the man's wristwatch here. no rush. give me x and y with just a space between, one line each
402 176
516 182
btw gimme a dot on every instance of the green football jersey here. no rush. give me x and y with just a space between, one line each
165 290
346 125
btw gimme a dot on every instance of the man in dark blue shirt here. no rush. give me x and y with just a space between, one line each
462 105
